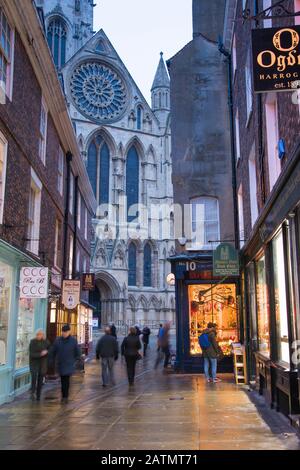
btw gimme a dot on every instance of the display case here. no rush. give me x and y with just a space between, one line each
216 304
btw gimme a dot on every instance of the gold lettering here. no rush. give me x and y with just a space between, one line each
291 60
261 77
294 39
281 64
272 57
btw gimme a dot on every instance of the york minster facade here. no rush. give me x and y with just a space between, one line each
125 144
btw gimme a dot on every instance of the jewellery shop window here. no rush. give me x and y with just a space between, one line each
215 304
25 331
5 299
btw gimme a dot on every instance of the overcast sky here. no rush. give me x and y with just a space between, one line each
140 29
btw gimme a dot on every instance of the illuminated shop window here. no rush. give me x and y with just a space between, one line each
216 304
263 315
280 299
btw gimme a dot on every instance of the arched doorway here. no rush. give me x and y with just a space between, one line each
110 298
95 301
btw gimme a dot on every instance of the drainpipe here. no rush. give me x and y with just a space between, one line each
228 61
76 192
69 158
260 127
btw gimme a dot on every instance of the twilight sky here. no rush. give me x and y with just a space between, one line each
140 29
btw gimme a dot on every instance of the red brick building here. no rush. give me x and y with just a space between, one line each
46 201
267 152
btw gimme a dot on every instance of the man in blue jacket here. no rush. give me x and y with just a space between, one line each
66 352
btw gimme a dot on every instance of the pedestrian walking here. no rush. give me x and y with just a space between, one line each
38 363
160 332
163 349
130 350
65 351
210 352
113 330
145 338
107 349
138 330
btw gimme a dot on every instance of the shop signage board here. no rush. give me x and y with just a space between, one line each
88 281
226 261
34 283
71 294
276 59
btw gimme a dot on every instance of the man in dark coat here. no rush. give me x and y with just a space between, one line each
130 349
145 338
66 352
211 353
38 362
113 330
107 348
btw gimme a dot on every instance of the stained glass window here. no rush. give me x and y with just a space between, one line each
98 167
147 266
57 39
132 181
132 265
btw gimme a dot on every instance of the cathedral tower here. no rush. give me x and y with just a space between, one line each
161 93
69 25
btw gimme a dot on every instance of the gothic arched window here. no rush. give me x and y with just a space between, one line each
98 167
147 266
139 118
132 265
57 40
132 181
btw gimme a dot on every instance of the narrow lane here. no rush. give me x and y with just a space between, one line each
162 411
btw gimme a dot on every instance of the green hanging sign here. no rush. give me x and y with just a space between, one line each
226 261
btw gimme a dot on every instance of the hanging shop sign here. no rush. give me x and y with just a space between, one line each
71 294
276 59
88 281
226 261
33 283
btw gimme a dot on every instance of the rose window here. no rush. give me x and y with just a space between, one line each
98 91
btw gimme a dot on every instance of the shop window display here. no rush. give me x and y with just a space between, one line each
280 299
262 304
5 300
25 331
217 304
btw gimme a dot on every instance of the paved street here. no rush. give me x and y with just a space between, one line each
162 411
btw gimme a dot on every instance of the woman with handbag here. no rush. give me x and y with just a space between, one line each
130 350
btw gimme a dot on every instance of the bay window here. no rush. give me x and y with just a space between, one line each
262 303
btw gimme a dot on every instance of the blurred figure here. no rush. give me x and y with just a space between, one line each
108 350
130 349
38 362
146 336
163 346
210 351
113 330
65 351
138 330
160 330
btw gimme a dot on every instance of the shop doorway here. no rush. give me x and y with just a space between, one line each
216 304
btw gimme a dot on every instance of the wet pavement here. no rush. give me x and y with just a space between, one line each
163 411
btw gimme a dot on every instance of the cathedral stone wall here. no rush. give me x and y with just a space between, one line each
111 117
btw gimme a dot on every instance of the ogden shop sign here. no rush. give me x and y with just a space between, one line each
276 59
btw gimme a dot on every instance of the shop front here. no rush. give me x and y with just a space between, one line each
80 320
271 304
202 298
19 319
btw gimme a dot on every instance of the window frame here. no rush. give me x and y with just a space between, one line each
60 171
43 132
205 245
9 58
4 144
33 226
